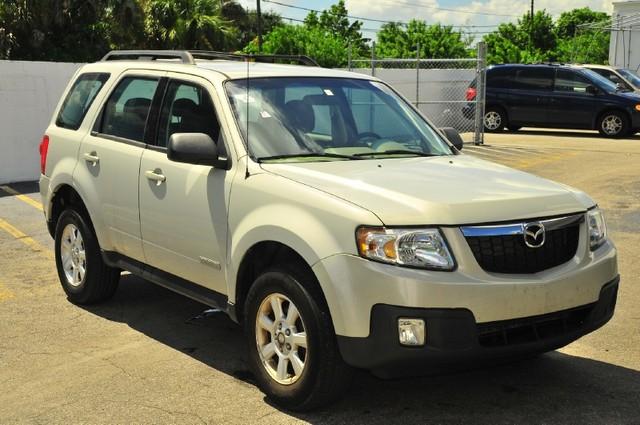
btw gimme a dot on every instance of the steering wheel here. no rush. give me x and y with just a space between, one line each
368 135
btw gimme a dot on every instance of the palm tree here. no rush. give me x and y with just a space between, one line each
187 24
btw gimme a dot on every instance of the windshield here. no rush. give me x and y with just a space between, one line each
630 76
328 119
603 82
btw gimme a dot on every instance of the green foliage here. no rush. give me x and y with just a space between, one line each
187 24
560 41
567 24
523 42
84 30
326 48
435 41
246 22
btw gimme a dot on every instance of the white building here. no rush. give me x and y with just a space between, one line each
624 50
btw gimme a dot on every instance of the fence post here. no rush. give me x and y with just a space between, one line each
481 67
373 58
418 77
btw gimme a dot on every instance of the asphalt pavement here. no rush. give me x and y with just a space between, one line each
151 356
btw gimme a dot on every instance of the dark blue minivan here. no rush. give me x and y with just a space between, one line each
555 96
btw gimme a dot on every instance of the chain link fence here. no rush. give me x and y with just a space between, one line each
450 92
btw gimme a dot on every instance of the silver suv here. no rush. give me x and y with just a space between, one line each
319 209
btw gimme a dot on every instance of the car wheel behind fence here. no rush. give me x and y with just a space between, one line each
494 120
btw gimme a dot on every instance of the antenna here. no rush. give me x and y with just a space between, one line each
246 173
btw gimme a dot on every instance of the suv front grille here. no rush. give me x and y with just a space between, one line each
532 329
502 249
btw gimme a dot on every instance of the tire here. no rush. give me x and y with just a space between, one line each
614 124
77 246
514 127
323 376
495 120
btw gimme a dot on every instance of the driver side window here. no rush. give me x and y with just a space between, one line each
187 108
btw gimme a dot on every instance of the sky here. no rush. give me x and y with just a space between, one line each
477 16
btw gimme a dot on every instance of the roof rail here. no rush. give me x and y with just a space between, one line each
189 56
151 55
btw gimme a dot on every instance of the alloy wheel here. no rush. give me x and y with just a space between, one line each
73 255
492 120
281 339
612 125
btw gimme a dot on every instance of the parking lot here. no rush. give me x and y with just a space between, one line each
150 356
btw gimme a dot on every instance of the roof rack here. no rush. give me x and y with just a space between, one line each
189 56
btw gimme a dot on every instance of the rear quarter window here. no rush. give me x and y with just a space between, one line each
79 99
500 77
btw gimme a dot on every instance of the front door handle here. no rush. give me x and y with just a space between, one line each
92 157
156 176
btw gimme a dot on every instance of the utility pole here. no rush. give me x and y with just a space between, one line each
531 28
259 16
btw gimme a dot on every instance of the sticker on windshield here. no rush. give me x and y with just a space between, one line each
265 114
328 92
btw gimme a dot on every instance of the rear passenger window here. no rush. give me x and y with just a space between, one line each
500 78
537 78
79 100
187 108
125 113
572 82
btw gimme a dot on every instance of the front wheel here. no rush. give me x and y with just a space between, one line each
613 124
292 345
494 120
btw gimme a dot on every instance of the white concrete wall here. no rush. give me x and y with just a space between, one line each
29 92
624 47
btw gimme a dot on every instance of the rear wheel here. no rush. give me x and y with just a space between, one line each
614 124
292 345
494 120
84 276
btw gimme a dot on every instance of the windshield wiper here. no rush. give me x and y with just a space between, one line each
307 155
395 152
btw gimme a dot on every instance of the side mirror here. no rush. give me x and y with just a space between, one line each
592 90
195 148
453 136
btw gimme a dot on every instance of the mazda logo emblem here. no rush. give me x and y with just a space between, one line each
534 235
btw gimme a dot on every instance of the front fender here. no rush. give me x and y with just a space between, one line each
314 224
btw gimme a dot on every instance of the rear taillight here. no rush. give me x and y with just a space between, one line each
44 147
471 93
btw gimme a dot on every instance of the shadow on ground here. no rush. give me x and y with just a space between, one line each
552 388
566 134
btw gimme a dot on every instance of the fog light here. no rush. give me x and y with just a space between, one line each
411 331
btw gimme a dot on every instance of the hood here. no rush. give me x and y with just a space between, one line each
633 96
448 190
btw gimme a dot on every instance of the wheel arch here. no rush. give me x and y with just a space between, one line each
264 255
608 109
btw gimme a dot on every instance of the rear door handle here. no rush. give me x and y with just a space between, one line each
156 176
92 157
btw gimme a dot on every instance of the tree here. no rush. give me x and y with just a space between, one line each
435 41
516 43
246 22
60 30
335 20
187 24
580 44
326 48
568 22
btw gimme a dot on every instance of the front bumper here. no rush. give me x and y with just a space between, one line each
454 339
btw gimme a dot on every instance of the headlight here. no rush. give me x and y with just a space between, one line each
424 248
597 228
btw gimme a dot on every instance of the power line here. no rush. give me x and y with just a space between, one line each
399 22
377 30
406 3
